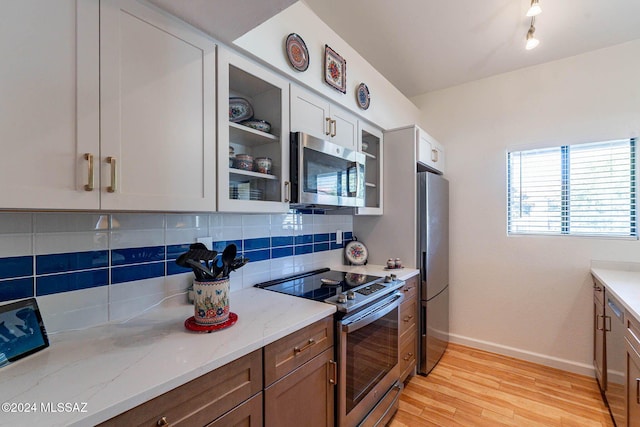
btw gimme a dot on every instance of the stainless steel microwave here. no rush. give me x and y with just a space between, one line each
324 173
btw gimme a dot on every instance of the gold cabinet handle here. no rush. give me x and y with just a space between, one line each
407 318
434 155
334 379
408 289
598 317
114 175
408 356
90 181
309 343
333 122
287 191
162 422
328 123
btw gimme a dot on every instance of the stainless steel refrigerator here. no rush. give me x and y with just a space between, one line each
433 261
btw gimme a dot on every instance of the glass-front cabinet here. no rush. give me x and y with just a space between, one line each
371 145
253 137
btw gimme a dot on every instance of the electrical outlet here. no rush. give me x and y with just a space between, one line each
338 237
207 241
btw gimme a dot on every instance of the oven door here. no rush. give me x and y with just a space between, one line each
327 173
368 358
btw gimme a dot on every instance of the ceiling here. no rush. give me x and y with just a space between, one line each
425 45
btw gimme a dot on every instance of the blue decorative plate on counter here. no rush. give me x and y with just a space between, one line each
239 109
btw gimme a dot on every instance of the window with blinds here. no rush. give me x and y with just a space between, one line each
585 189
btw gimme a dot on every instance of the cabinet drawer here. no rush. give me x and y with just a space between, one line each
286 354
633 333
202 400
407 354
248 414
410 288
408 314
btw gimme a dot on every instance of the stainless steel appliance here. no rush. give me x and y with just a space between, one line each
324 173
433 261
367 324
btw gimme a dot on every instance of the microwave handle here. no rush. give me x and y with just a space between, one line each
356 166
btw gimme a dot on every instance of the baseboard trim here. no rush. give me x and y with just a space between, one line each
542 359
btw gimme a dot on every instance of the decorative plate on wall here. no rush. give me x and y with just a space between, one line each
335 69
297 52
363 96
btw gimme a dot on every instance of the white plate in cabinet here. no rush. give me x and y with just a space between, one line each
50 104
315 116
157 80
248 190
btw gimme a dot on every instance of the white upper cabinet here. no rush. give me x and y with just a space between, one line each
314 115
157 81
371 145
429 152
259 182
49 115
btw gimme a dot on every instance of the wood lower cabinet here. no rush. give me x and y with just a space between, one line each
205 399
598 333
300 377
303 397
633 372
408 349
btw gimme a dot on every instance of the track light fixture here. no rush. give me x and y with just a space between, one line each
533 11
532 41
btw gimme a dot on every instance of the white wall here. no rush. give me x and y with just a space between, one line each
528 296
389 107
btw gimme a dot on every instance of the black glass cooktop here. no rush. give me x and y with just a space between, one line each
318 285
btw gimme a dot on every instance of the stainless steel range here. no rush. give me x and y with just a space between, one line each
367 323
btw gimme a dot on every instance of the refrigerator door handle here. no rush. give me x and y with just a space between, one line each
423 319
423 272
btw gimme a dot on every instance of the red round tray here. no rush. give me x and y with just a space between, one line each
191 324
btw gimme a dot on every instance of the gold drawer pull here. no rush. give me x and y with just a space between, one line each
114 173
408 289
407 357
334 380
90 182
162 422
328 131
407 318
297 350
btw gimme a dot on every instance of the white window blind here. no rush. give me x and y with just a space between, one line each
585 189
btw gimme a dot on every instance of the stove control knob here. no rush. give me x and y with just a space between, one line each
351 295
387 279
342 299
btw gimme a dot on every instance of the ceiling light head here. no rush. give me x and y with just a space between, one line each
534 9
532 41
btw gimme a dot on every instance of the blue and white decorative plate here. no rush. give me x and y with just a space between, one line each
239 109
363 96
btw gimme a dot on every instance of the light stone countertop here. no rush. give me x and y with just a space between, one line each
115 367
624 284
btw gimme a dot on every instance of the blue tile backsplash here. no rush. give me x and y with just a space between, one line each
68 258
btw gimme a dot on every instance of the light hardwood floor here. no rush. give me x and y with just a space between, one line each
471 387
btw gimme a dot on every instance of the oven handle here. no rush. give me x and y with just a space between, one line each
382 309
